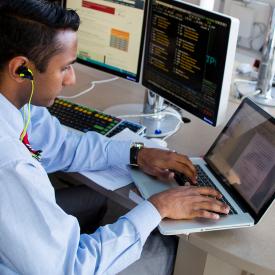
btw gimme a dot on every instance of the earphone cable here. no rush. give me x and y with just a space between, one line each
26 123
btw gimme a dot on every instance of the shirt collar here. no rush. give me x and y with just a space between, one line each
11 117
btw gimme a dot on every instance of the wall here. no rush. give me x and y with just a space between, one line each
253 19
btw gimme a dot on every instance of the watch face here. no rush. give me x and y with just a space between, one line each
135 148
139 145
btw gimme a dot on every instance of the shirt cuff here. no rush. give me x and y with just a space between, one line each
145 217
119 152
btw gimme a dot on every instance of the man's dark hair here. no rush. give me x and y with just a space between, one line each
29 28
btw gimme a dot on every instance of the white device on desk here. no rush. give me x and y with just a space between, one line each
240 164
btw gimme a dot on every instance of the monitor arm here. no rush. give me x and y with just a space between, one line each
267 66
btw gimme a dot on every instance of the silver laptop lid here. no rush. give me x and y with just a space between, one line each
243 158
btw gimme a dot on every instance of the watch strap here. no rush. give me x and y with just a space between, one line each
134 150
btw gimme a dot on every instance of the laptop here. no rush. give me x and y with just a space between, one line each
240 164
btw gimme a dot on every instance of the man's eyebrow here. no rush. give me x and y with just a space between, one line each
71 62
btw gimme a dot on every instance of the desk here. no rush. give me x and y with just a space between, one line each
247 249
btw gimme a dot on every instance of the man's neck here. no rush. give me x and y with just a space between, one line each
13 94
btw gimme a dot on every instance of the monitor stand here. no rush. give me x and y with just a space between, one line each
250 90
266 99
159 119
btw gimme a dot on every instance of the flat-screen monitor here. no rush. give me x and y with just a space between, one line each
111 35
189 56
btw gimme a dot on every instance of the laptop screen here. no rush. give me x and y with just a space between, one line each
244 156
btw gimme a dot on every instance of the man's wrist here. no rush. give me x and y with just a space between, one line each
135 149
158 205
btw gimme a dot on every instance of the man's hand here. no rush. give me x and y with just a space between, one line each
188 202
160 163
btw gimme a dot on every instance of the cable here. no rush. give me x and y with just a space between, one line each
169 134
174 131
93 84
151 115
238 93
256 92
29 115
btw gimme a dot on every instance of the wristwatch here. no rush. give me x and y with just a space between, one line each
134 150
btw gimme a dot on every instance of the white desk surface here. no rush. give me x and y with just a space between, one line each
250 249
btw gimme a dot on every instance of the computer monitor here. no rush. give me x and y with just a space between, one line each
111 35
189 56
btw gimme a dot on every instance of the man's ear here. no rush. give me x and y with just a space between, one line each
19 69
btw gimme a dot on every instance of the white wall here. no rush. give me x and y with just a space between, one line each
253 19
260 12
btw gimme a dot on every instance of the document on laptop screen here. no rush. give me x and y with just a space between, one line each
253 167
244 155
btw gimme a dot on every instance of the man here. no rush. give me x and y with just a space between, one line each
37 48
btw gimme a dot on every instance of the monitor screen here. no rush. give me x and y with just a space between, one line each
110 37
189 55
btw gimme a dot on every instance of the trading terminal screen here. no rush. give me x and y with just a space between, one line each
110 36
185 55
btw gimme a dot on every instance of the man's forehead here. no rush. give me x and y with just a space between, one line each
67 41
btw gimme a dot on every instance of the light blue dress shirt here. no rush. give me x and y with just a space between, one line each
36 235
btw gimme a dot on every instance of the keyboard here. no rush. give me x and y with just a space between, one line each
86 119
202 180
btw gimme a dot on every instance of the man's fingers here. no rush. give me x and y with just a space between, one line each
213 206
171 159
188 171
205 214
208 191
150 158
184 165
187 202
164 175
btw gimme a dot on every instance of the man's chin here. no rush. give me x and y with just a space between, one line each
44 104
50 103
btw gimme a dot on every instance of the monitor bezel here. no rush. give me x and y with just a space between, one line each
137 77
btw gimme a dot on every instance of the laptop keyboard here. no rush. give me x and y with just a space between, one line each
202 180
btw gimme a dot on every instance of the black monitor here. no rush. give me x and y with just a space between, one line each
111 35
189 56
